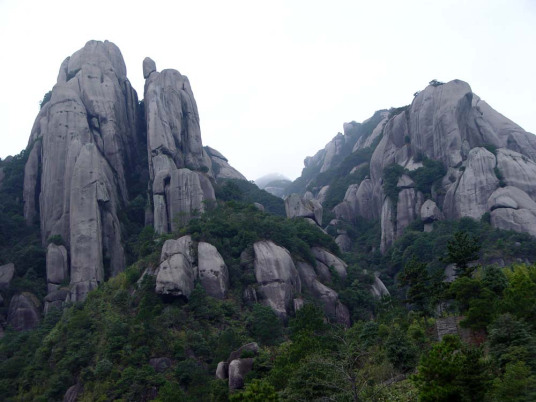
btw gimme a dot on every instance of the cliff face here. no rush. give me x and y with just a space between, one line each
481 152
86 145
179 167
83 143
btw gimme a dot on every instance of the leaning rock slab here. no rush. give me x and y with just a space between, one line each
276 275
330 260
238 369
213 273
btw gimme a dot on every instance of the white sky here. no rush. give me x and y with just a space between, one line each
275 80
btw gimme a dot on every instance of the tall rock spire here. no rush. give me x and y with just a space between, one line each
179 167
83 143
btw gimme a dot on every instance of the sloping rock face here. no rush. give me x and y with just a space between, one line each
277 276
220 166
480 150
83 144
332 307
23 313
6 275
179 167
176 273
305 207
213 272
57 266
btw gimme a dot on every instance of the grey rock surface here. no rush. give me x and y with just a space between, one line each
220 166
378 288
176 273
213 273
23 313
177 159
330 260
238 369
89 122
57 266
276 275
6 275
56 299
222 371
305 207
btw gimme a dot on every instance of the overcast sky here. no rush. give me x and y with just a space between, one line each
275 80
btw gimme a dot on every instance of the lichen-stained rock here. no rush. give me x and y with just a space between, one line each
213 273
91 105
330 260
358 201
470 196
276 275
6 275
176 273
429 214
220 166
306 207
57 266
23 312
405 209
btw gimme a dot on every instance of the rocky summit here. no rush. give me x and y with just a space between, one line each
137 264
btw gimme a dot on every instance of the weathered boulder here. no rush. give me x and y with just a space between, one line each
222 371
260 207
344 242
56 299
430 212
513 209
57 266
407 209
358 201
306 207
238 369
213 273
220 166
175 277
251 348
149 66
378 289
6 275
176 273
517 170
23 313
469 197
276 275
387 224
330 260
72 393
332 307
160 364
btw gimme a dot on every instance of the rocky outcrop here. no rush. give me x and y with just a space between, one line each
179 167
23 312
378 288
429 214
513 209
329 299
83 146
57 266
296 206
220 166
277 277
6 275
160 364
330 260
176 273
237 366
213 273
479 149
56 299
